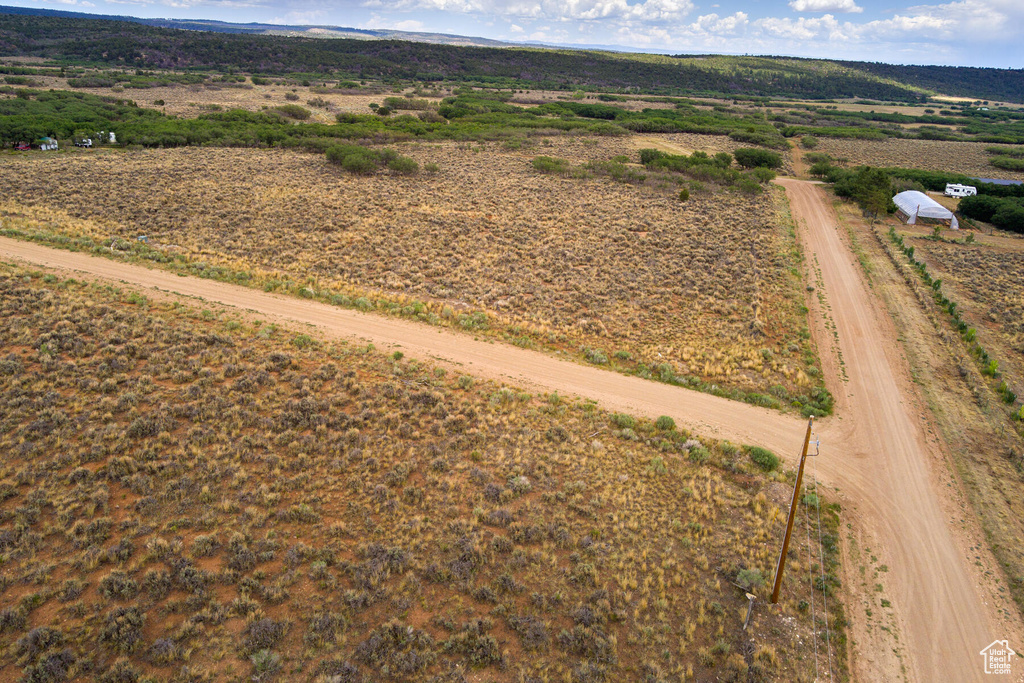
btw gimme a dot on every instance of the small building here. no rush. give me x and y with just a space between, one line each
912 205
48 143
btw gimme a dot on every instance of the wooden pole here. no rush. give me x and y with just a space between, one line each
781 566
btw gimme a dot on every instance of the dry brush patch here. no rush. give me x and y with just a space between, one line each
192 100
968 158
190 497
986 280
707 289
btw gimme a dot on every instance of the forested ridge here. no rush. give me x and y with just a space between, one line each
129 44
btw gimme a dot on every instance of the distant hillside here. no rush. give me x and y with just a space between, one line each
309 31
959 81
219 45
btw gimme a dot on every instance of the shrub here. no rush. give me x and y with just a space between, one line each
121 672
809 142
157 583
264 664
764 458
472 641
13 619
750 578
623 421
293 111
750 157
70 590
404 166
51 669
361 163
38 641
748 185
118 586
649 156
323 628
395 645
123 628
665 423
291 96
550 165
1007 163
263 634
1010 217
684 195
699 455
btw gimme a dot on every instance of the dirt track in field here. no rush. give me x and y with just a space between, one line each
890 474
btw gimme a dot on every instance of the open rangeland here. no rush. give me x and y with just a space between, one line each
984 278
620 274
190 494
919 570
968 158
196 99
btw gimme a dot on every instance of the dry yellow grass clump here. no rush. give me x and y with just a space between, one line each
707 288
189 497
968 158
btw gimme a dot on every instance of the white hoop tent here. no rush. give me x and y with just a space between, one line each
914 205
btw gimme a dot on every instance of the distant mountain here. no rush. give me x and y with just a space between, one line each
303 31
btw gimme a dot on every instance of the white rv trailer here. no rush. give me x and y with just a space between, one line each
957 190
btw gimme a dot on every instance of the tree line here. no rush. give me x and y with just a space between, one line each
124 43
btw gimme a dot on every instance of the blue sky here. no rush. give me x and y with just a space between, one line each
962 32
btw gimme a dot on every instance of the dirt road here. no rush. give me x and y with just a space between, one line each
893 475
875 450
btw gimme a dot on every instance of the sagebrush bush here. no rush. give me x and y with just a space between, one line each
764 458
122 628
404 165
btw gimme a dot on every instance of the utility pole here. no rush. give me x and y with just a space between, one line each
781 566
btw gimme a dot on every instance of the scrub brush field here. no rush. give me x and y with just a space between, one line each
190 496
705 292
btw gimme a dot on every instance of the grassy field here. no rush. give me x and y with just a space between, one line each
618 274
189 496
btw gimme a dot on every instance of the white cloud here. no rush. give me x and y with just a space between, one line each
966 20
650 11
800 29
712 23
843 6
